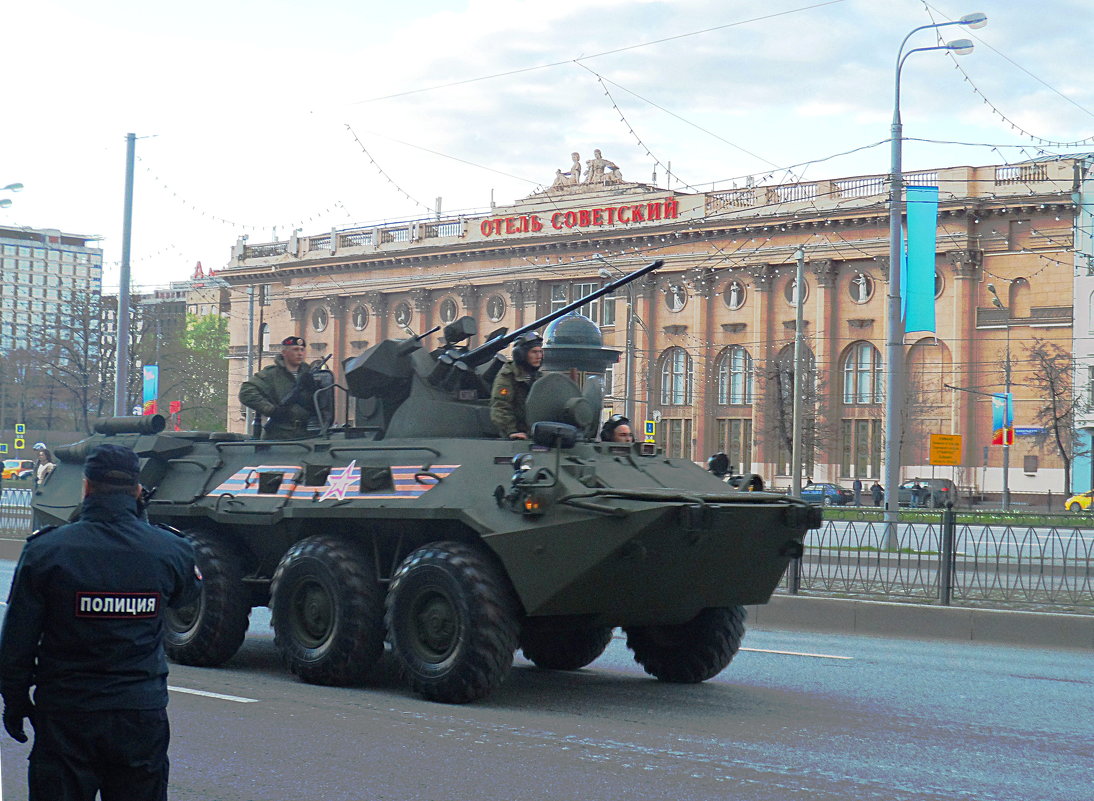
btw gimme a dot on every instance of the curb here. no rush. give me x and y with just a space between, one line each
920 621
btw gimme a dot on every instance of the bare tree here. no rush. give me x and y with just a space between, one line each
1051 376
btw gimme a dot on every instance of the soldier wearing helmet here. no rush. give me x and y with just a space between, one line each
511 386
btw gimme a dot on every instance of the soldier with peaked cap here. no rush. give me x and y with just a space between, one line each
282 392
85 629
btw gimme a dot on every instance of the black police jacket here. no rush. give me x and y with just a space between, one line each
84 622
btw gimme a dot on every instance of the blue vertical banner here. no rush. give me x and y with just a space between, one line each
918 262
1002 418
151 387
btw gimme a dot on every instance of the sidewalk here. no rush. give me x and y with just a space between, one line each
922 621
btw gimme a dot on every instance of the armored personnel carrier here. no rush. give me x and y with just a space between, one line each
418 526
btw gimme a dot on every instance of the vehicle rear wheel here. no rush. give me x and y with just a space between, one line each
827 501
209 631
327 611
564 649
689 652
453 621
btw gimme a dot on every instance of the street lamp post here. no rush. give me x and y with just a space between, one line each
894 346
1008 423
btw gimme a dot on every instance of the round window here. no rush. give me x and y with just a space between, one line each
448 310
734 294
939 285
319 319
360 318
861 288
402 313
676 297
495 308
790 291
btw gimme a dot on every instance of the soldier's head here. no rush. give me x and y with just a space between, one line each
617 428
111 470
292 351
528 350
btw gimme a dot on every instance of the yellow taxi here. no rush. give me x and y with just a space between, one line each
1080 503
18 468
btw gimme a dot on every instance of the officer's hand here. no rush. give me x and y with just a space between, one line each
14 714
518 435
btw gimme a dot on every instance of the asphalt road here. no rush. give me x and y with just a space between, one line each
797 716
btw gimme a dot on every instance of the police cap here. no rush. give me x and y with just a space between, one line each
112 464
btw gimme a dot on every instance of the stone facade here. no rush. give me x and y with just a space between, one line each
711 333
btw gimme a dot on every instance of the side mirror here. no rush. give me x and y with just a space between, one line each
549 434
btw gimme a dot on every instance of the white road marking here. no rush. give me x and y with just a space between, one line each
235 698
796 653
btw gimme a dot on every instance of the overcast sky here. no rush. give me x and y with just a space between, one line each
242 107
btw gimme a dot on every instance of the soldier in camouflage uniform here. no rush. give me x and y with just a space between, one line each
282 392
510 391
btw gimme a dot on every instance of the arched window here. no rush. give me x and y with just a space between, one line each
264 337
676 373
863 377
735 376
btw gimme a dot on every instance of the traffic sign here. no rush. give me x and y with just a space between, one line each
945 450
651 431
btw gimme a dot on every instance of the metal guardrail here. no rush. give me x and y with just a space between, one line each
1050 568
977 564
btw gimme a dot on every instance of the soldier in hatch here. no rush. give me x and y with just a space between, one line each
514 380
282 392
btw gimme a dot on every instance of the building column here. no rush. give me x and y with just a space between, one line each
704 393
763 449
378 303
825 347
965 372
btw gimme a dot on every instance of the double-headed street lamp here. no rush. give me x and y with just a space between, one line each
894 347
1008 409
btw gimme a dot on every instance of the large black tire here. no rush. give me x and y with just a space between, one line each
453 621
564 649
689 652
209 631
327 610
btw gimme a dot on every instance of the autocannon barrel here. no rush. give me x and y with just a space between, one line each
484 352
143 424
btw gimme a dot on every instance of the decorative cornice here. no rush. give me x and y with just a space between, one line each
296 307
966 263
360 344
469 296
734 328
675 330
378 302
860 322
337 305
792 324
701 280
883 266
420 298
761 275
825 270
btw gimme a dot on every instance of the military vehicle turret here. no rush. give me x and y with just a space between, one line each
419 526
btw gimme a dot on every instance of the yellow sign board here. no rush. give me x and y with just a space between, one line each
945 450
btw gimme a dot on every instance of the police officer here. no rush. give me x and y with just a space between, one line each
84 627
511 386
282 392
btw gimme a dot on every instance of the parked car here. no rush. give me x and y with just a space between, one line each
826 494
18 469
940 491
1080 502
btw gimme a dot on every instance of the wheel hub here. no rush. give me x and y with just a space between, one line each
435 626
314 614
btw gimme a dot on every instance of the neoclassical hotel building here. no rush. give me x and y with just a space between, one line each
707 340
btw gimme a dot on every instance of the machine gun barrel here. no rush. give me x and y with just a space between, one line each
486 351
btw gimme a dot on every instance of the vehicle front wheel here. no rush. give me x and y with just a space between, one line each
453 621
690 652
327 611
1074 507
209 631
